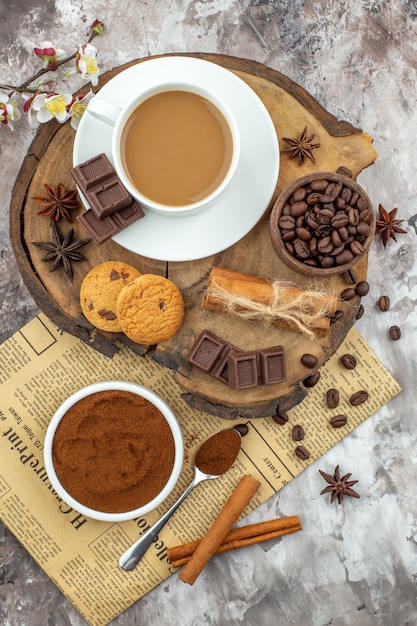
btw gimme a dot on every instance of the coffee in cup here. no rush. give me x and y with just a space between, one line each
175 147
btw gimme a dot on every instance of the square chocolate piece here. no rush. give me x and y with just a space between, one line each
243 369
93 172
272 366
206 351
129 215
100 230
108 198
210 353
103 229
220 370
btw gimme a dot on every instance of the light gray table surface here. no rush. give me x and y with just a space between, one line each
355 564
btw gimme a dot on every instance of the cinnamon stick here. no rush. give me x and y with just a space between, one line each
239 538
227 517
225 547
280 303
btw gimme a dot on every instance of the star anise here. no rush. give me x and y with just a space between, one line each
62 250
339 487
58 203
387 225
301 147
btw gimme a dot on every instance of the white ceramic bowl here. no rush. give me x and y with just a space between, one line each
159 404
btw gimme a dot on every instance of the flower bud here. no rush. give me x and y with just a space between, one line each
97 27
49 54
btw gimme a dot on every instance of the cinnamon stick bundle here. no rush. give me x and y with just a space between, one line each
276 302
227 517
239 538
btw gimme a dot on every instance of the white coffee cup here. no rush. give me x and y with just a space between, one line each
119 117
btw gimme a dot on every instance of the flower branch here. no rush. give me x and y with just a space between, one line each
42 101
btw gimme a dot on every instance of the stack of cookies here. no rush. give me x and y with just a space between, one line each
116 297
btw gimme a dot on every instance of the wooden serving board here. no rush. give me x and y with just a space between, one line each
49 160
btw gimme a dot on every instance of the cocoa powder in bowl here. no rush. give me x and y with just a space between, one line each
113 451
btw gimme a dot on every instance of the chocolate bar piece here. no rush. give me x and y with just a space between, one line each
128 216
93 172
103 229
243 370
236 368
272 367
220 370
256 367
206 351
100 230
108 198
101 186
112 207
210 353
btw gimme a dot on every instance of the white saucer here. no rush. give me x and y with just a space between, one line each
247 196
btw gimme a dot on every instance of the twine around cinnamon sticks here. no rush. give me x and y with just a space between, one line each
275 302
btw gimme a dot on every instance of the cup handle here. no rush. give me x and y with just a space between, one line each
103 110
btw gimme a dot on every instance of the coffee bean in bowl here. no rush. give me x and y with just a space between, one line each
322 224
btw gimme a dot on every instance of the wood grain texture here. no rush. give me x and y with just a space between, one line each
50 160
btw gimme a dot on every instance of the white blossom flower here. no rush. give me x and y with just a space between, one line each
86 63
45 107
78 106
9 111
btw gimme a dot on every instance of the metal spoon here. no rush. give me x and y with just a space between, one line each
132 556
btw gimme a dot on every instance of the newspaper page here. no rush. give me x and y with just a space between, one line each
41 365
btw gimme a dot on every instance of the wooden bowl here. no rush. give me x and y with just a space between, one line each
295 251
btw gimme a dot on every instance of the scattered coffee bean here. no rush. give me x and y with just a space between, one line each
297 432
359 397
350 276
362 288
328 223
395 333
360 312
345 171
384 303
302 453
280 417
312 380
309 360
347 294
348 361
338 421
332 398
242 429
336 316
